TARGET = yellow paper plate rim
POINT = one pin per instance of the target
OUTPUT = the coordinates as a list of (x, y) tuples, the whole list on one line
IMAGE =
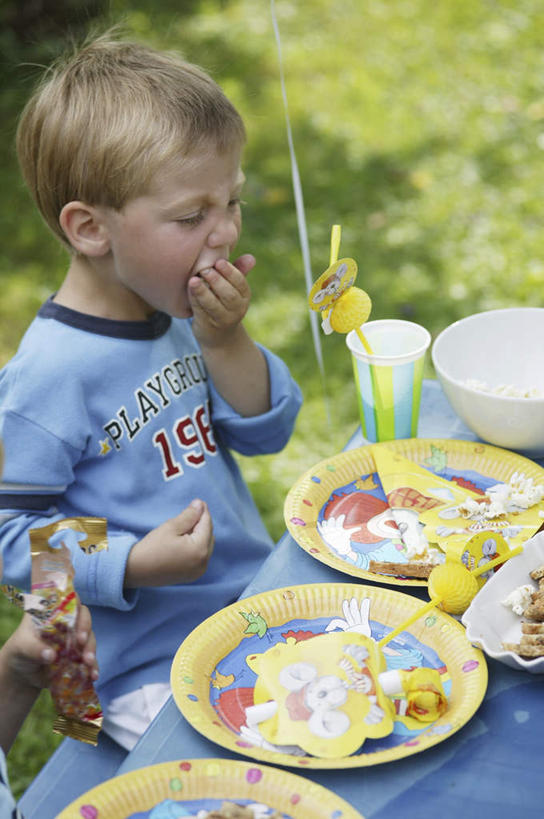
[(199, 654), (313, 489), (192, 779)]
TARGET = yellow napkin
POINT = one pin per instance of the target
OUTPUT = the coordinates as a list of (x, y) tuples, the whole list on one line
[(326, 691)]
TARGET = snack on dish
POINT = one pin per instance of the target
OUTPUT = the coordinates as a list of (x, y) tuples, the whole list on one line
[(509, 390), (526, 648), (491, 625), (538, 574), (532, 628), (229, 810), (519, 598), (410, 569), (368, 504), (531, 643), (410, 491), (509, 508)]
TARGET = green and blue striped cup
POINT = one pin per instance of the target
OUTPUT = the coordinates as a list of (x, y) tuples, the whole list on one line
[(389, 381)]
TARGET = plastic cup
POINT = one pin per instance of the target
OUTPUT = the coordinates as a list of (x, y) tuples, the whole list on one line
[(389, 381)]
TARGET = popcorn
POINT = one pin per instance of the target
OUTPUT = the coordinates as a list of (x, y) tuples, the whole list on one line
[(504, 498), (519, 598), (508, 390)]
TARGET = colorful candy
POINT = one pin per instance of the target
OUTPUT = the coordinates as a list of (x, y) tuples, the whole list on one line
[(53, 605)]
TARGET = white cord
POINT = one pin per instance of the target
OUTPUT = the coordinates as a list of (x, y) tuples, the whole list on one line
[(299, 205)]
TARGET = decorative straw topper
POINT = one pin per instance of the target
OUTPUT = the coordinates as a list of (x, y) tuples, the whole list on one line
[(344, 307)]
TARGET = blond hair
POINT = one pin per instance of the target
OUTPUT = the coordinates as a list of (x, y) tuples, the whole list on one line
[(103, 120)]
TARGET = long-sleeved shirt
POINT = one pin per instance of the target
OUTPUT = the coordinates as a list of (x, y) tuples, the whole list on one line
[(119, 420)]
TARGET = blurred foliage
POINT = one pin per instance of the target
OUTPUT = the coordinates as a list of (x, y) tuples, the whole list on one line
[(418, 126)]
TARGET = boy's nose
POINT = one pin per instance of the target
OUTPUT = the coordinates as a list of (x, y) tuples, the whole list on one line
[(224, 233)]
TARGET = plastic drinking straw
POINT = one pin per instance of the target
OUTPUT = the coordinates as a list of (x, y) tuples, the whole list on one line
[(336, 233)]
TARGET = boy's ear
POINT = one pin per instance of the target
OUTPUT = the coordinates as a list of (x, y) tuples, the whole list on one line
[(84, 228)]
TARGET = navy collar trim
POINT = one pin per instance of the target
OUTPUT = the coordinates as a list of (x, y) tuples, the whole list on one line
[(154, 327)]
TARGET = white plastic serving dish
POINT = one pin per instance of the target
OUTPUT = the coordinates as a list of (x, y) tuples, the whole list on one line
[(489, 623)]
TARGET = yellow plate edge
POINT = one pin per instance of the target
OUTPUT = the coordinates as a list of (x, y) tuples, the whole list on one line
[(187, 779)]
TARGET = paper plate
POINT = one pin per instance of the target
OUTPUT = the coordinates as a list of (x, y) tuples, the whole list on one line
[(353, 472), (163, 791), (212, 683)]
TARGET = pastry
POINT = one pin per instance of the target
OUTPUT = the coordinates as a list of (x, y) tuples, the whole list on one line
[(410, 569), (531, 643)]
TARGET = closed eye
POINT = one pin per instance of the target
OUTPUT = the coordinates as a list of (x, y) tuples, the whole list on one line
[(194, 219)]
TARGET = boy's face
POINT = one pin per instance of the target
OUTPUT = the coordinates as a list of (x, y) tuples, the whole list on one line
[(189, 218)]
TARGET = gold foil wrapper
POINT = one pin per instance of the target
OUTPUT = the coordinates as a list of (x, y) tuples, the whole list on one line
[(53, 604)]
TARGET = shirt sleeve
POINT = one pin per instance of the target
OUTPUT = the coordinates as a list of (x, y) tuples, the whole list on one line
[(266, 433), (36, 474)]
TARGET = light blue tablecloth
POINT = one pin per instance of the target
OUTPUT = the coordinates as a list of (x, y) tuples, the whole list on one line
[(491, 767)]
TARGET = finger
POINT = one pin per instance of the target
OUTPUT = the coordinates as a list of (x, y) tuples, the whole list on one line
[(346, 610), (89, 649), (186, 521), (89, 658), (215, 295), (83, 624), (30, 645), (204, 528), (245, 263), (205, 521), (227, 279), (232, 270)]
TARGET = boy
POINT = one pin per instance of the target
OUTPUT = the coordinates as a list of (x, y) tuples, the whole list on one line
[(138, 375)]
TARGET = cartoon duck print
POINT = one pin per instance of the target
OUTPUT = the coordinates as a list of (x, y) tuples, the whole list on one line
[(360, 527)]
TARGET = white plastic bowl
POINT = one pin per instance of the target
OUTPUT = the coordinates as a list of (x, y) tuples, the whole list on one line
[(497, 347)]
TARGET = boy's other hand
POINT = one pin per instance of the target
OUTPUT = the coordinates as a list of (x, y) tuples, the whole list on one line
[(27, 657), (177, 551), (220, 297)]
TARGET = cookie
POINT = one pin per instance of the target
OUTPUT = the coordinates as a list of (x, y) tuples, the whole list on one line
[(528, 651), (532, 628), (401, 569)]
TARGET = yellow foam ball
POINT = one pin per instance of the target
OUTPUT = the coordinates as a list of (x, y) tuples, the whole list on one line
[(454, 584), (351, 310)]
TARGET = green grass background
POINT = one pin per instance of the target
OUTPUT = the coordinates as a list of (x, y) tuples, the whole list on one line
[(418, 126)]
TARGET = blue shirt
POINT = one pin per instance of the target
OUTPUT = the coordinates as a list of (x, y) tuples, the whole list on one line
[(119, 420)]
